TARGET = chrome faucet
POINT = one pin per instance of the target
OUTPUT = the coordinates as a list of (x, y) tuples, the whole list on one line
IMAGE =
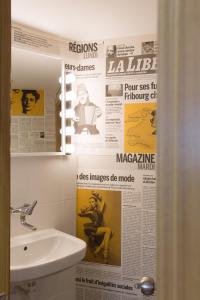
[(25, 210)]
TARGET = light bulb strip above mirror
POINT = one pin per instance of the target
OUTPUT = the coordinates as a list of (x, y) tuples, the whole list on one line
[(67, 113)]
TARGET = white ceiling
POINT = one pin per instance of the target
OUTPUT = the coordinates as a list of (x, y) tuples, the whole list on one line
[(88, 19)]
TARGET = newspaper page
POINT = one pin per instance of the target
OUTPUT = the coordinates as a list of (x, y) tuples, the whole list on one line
[(118, 82), (116, 216), (86, 60), (116, 206), (32, 121), (27, 38)]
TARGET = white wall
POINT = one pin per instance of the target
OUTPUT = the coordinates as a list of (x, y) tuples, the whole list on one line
[(52, 182), (60, 286), (88, 19)]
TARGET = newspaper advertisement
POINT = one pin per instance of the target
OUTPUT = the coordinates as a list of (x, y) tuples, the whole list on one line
[(118, 83), (116, 216)]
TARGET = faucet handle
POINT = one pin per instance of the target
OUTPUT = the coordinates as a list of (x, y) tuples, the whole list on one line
[(29, 208), (26, 209)]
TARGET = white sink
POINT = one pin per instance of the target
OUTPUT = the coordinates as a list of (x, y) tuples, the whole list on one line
[(44, 252)]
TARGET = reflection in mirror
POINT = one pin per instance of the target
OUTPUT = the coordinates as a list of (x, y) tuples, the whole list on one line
[(35, 104)]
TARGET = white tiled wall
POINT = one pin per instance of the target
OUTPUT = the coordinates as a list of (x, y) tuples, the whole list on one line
[(60, 286), (52, 182)]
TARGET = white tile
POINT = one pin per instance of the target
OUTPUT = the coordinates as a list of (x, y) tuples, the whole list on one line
[(45, 179), (57, 286), (60, 215)]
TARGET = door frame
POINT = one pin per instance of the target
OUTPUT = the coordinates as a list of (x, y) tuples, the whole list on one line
[(179, 150), (5, 62)]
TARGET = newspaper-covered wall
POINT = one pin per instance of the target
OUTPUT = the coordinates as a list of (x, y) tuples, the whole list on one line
[(116, 216), (115, 116), (118, 81), (31, 39)]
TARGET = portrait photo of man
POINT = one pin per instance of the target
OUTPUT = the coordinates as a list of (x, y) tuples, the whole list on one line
[(29, 100), (148, 47), (111, 51), (25, 102)]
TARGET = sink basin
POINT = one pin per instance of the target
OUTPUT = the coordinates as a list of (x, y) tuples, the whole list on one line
[(42, 253)]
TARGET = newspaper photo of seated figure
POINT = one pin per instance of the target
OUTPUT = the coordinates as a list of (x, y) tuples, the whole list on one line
[(96, 226), (86, 113)]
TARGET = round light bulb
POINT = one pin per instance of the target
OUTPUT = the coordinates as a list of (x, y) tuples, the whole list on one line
[(70, 78), (69, 148), (69, 95)]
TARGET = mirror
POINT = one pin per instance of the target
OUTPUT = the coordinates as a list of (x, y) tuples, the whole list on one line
[(35, 104)]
